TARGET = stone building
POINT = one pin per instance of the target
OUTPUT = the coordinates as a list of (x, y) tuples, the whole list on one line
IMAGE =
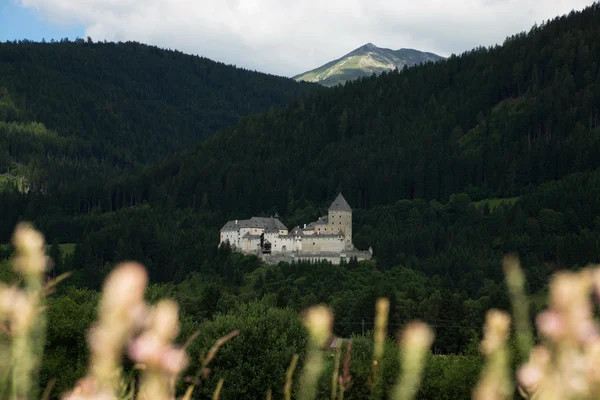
[(328, 238)]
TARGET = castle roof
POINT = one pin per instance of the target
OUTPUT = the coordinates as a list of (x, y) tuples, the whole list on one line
[(255, 222), (326, 235), (229, 226), (321, 221), (340, 204), (296, 232), (271, 229)]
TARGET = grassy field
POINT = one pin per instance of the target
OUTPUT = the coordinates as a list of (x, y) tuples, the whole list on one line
[(6, 272), (4, 249), (67, 248), (495, 202)]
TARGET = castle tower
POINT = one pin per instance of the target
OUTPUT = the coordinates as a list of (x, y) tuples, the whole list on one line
[(340, 218)]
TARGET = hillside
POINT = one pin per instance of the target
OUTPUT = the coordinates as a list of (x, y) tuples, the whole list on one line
[(448, 166), (365, 61), (74, 115), (490, 122), (133, 103)]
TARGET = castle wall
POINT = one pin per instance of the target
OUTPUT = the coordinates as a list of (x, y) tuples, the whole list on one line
[(341, 220), (243, 231), (284, 244), (334, 258), (231, 236), (316, 243), (235, 237), (272, 237), (250, 245), (320, 239), (321, 229)]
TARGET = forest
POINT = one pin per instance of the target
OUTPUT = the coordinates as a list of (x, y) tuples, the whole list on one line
[(132, 102), (74, 115), (448, 167)]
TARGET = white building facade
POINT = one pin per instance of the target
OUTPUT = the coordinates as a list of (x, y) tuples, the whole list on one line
[(329, 238)]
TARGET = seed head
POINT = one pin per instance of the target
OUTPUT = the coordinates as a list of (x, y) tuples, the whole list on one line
[(319, 322)]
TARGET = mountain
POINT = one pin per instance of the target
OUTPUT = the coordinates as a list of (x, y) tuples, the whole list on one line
[(364, 61), (492, 122), (133, 103), (74, 115), (448, 166), (489, 122)]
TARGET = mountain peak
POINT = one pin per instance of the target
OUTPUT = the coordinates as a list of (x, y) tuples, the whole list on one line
[(365, 61)]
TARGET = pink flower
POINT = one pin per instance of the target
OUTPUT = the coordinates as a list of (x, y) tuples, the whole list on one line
[(551, 325), (529, 376), (146, 349), (173, 360)]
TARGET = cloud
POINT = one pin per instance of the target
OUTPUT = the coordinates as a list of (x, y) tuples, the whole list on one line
[(286, 37)]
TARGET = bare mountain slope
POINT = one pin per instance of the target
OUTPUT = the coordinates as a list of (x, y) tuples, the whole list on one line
[(364, 61)]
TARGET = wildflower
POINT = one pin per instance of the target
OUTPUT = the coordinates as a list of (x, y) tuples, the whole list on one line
[(495, 382), (319, 321), (531, 374), (551, 325), (418, 336), (381, 317), (495, 331), (31, 259)]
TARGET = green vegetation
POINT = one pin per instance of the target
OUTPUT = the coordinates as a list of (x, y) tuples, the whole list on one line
[(490, 123), (68, 127), (248, 347), (130, 102), (492, 204), (438, 262), (67, 248), (448, 166)]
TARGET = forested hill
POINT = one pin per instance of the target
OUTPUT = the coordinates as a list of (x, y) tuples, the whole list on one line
[(130, 100), (491, 122), (419, 154)]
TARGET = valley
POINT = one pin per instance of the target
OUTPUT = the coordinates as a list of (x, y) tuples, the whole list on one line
[(123, 151)]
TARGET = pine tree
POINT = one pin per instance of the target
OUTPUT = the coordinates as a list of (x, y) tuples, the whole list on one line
[(56, 255)]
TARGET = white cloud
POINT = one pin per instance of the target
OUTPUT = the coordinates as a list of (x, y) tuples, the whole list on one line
[(287, 37)]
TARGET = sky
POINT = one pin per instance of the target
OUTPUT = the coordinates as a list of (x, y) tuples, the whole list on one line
[(283, 37), (18, 22)]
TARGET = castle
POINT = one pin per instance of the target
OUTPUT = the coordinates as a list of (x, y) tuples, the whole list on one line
[(329, 238)]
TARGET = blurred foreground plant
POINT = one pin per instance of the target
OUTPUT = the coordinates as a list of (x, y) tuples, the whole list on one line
[(22, 316), (126, 324), (564, 365)]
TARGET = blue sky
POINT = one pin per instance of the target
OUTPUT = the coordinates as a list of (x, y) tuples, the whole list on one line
[(18, 22)]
